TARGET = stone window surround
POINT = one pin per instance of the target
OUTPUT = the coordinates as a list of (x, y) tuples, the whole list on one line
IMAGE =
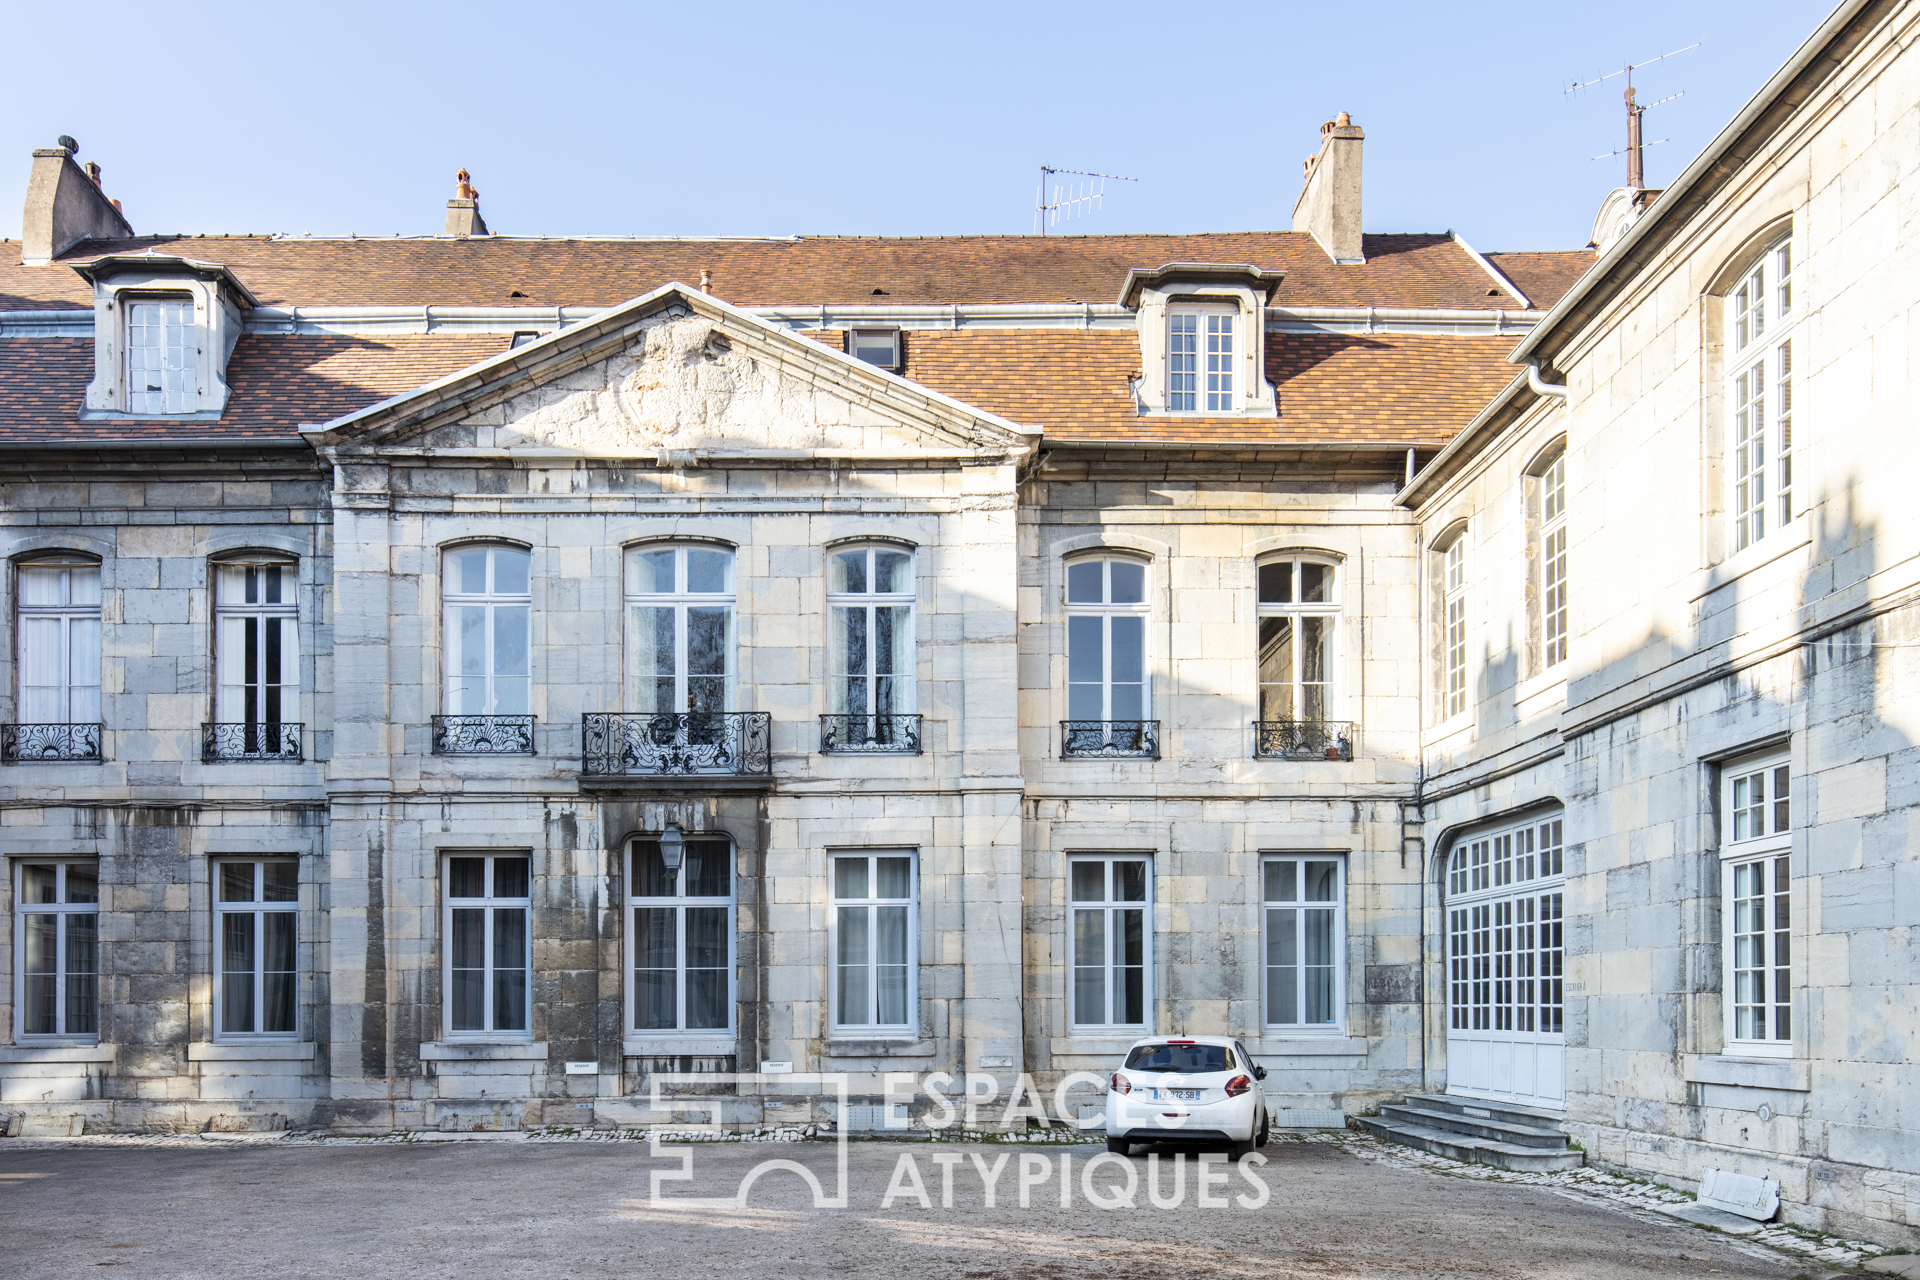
[(219, 301), (1760, 352), (260, 1045), (713, 1041), (488, 1039), (21, 909), (857, 1039), (1081, 1033), (1555, 450), (1454, 532), (1730, 854), (1335, 609), (1305, 1030)]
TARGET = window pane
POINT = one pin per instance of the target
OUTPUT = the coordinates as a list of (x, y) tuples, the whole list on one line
[(655, 959), (655, 940), (848, 572), (1316, 583), (1129, 582), (849, 877), (277, 965), (83, 670), (1276, 669), (466, 877), (852, 959), (43, 587), (510, 877), (42, 1014), (509, 972), (850, 654), (1084, 582), (706, 999), (709, 572), (1132, 978), (890, 935), (707, 937), (890, 990), (510, 641), (707, 643), (467, 572), (510, 570), (236, 882), (894, 877), (653, 1000), (466, 947), (1130, 881), (282, 882), (1283, 943), (467, 659), (1089, 967), (466, 958), (650, 667), (1129, 652), (1283, 881), (1276, 582), (1323, 881), (83, 1009), (1086, 657), (236, 971), (40, 884), (83, 882), (1089, 882), (892, 572), (651, 879), (853, 944), (708, 868)]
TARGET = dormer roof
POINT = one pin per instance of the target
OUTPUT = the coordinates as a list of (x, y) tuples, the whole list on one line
[(97, 270), (1238, 273)]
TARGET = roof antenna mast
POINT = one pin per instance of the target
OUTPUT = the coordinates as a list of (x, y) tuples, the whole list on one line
[(1071, 199), (1635, 150)]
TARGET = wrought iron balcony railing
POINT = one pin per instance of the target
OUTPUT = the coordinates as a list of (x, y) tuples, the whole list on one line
[(1303, 739), (50, 743), (483, 735), (1110, 739), (223, 743), (675, 744), (870, 735)]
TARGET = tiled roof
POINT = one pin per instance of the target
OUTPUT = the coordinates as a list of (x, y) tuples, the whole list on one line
[(1400, 271), (1544, 277), (1333, 388), (278, 383)]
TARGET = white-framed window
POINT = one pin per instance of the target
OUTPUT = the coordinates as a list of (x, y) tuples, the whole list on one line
[(1107, 640), (1553, 562), (57, 923), (870, 597), (679, 629), (1111, 900), (1299, 613), (59, 616), (1200, 359), (1453, 625), (489, 604), (489, 946), (257, 635), (875, 346), (1306, 913), (163, 356), (1506, 908), (1759, 371), (875, 943), (1756, 857), (681, 944), (256, 968)]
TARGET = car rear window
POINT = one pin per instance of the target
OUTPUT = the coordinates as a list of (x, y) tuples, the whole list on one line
[(1184, 1058)]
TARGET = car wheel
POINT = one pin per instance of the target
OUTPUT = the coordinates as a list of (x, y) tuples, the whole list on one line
[(1261, 1141), (1119, 1146), (1236, 1150)]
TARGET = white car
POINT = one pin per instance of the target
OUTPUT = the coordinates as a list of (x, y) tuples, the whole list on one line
[(1199, 1090)]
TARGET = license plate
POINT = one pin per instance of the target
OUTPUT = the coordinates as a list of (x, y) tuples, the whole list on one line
[(1176, 1095)]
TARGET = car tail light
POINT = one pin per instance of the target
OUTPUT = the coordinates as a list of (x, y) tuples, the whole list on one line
[(1121, 1084), (1239, 1085)]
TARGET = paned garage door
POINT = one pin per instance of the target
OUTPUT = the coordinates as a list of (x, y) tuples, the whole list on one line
[(1506, 1035)]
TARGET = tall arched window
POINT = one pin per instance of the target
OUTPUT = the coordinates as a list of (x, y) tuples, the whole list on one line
[(1453, 625), (1547, 512), (257, 642), (679, 629), (489, 614), (870, 597), (1108, 702), (59, 670), (1759, 371), (1299, 611)]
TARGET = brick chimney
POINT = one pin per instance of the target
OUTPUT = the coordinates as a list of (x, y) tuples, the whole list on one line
[(463, 211), (1329, 203), (65, 205)]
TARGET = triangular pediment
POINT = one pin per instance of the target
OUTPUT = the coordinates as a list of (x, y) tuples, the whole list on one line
[(675, 371)]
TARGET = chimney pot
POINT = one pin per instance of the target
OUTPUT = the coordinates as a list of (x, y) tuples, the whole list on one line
[(463, 211)]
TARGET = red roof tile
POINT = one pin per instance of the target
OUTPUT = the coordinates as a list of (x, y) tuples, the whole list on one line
[(1544, 277)]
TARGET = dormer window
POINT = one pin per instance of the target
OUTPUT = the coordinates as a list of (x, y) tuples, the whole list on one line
[(876, 346), (162, 355), (1200, 359), (1202, 338)]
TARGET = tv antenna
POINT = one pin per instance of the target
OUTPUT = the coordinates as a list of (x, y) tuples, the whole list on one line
[(1071, 199), (1635, 150)]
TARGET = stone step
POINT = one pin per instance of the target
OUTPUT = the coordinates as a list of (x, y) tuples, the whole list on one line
[(1445, 1142), (1479, 1109), (1519, 1135)]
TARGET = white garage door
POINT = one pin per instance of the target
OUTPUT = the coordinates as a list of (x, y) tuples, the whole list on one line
[(1506, 1035)]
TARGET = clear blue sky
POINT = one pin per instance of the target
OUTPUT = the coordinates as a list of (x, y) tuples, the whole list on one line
[(754, 118)]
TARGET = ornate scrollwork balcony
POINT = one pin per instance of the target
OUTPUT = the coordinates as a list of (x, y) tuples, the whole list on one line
[(870, 735), (50, 743), (225, 743), (677, 744), (1110, 739), (1303, 739), (483, 735)]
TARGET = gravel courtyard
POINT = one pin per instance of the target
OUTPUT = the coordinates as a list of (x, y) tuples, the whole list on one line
[(533, 1208)]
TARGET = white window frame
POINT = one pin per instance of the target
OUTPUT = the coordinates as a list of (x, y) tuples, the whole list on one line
[(490, 904), (1454, 691), (873, 1030), (1552, 482), (1758, 836), (678, 902), (890, 338), (680, 600), (1521, 868), (871, 601), (1109, 907), (258, 908), (1760, 356), (491, 600), (264, 577), (1300, 906), (68, 614), (63, 911), (178, 365), (1202, 354), (1107, 612), (1295, 609)]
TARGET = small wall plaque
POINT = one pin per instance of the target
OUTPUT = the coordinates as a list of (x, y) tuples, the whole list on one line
[(776, 1068), (583, 1068), (985, 1061)]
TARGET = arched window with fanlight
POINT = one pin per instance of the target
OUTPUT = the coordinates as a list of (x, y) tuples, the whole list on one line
[(57, 606), (256, 713), (1109, 702), (1759, 393), (1299, 619), (489, 603), (870, 600)]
